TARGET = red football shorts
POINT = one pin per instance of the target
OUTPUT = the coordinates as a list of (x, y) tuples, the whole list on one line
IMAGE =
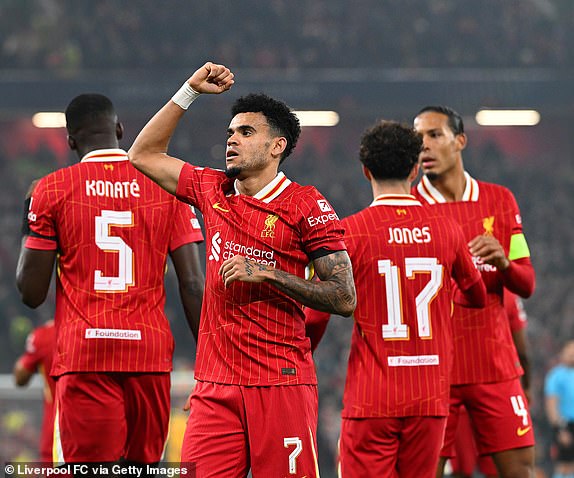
[(102, 417), (499, 414), (271, 430), (466, 459), (390, 447)]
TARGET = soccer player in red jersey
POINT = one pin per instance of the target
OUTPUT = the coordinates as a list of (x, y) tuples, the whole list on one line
[(486, 374), (405, 262), (467, 459), (255, 402), (40, 347), (109, 229)]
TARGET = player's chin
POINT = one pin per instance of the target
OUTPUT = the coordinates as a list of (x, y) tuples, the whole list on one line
[(233, 171)]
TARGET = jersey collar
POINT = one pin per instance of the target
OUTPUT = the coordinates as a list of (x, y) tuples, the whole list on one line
[(272, 190), (395, 200), (433, 196), (105, 155)]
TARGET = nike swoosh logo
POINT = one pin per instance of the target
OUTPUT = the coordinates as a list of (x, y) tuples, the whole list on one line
[(522, 431), (218, 207)]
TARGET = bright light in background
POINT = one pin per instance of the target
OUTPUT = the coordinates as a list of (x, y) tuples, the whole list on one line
[(317, 118), (507, 117), (49, 120)]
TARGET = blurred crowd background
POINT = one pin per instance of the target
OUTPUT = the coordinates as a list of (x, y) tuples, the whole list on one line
[(366, 59)]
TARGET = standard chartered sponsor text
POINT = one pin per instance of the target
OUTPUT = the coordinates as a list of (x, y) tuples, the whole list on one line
[(258, 255)]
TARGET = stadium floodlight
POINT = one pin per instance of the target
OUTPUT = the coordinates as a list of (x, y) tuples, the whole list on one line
[(317, 118), (49, 120), (507, 117)]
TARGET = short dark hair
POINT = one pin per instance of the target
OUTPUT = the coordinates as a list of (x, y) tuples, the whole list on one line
[(280, 118), (454, 119), (389, 150), (89, 108)]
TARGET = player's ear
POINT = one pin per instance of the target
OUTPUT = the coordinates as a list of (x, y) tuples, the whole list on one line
[(367, 173), (414, 173), (119, 130), (72, 143), (461, 141), (279, 145)]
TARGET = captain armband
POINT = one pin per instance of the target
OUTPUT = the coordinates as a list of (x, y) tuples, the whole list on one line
[(518, 247)]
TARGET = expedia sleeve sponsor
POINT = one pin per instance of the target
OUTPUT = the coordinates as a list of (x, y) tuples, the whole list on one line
[(322, 219)]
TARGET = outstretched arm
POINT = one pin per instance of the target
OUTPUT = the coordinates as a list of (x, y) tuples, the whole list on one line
[(149, 151), (334, 293)]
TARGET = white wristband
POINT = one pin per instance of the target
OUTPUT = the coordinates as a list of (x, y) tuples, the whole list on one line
[(185, 96)]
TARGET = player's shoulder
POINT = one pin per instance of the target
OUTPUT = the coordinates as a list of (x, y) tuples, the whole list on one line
[(305, 196), (58, 175), (494, 189)]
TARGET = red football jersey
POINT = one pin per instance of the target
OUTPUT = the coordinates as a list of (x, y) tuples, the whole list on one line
[(112, 228), (40, 348), (252, 333), (404, 260), (484, 350)]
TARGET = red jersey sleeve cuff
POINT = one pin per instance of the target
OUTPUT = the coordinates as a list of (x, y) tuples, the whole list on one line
[(187, 239), (41, 244)]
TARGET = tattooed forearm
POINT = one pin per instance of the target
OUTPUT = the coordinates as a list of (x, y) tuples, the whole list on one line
[(248, 267), (335, 293)]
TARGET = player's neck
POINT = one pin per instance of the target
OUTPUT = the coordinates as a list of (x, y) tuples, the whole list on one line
[(395, 188), (251, 185), (84, 149), (451, 185)]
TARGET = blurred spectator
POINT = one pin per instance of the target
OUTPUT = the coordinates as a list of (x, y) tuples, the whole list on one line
[(559, 392), (68, 36)]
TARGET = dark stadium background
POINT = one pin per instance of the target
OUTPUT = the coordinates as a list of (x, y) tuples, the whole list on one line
[(365, 59)]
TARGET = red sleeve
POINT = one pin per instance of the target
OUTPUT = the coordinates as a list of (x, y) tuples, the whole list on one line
[(185, 228), (32, 357), (474, 296), (42, 227), (519, 277), (315, 325), (320, 225)]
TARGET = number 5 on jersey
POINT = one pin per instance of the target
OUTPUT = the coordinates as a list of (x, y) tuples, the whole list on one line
[(114, 244)]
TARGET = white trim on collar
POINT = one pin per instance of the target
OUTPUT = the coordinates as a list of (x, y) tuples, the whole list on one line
[(105, 156), (395, 200), (433, 196), (271, 190)]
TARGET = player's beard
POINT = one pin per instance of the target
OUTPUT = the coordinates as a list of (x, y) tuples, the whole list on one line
[(431, 176), (233, 172)]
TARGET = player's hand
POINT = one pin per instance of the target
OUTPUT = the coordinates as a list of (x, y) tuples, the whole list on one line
[(211, 78), (243, 269), (187, 404), (490, 251)]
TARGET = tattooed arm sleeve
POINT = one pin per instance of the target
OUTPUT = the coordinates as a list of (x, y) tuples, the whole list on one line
[(334, 293)]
